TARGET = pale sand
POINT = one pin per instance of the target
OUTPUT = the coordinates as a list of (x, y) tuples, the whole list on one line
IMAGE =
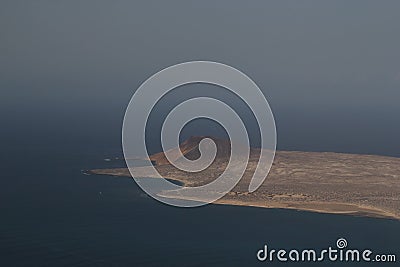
[(331, 208)]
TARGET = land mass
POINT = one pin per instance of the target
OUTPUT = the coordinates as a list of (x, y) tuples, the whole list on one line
[(327, 182)]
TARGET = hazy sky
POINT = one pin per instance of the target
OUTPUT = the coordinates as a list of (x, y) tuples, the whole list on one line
[(317, 57)]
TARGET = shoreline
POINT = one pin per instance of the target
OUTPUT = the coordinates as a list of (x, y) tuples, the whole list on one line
[(354, 210), (337, 208)]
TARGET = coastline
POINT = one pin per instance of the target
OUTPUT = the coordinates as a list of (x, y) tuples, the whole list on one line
[(326, 208), (325, 182), (338, 208)]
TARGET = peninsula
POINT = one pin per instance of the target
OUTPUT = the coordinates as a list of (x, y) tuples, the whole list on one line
[(327, 182)]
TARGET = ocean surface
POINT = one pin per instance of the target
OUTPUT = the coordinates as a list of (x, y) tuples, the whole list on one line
[(52, 214)]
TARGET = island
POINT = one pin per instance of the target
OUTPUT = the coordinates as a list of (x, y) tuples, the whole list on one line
[(326, 182)]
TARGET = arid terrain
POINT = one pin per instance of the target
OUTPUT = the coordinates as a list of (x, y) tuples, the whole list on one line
[(364, 185)]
